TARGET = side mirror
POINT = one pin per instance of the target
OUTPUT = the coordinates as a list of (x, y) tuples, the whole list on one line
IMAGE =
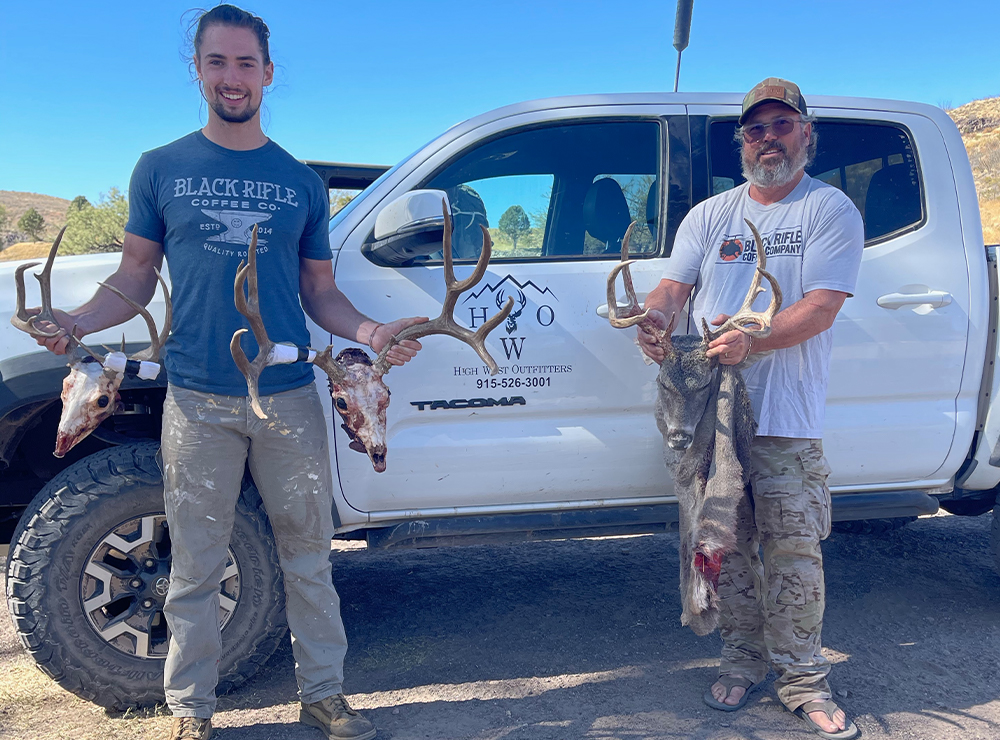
[(408, 228)]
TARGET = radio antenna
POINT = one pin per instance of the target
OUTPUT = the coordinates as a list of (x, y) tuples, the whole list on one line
[(682, 33)]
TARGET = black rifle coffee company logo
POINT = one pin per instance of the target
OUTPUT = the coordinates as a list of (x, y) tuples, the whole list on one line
[(782, 242), (731, 249), (532, 306)]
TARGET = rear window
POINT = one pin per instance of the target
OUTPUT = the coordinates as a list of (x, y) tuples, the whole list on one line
[(872, 162)]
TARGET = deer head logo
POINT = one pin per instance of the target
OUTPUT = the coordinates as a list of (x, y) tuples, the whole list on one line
[(521, 301)]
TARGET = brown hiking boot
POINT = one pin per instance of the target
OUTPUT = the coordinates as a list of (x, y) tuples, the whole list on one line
[(334, 716), (190, 728)]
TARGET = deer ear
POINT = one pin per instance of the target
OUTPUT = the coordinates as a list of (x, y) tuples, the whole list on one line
[(707, 335)]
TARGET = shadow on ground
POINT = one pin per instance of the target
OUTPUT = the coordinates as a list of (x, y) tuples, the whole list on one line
[(582, 639)]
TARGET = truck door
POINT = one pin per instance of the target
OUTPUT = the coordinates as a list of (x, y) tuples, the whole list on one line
[(569, 416), (895, 398)]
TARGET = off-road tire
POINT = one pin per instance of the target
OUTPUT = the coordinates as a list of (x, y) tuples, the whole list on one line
[(872, 526), (53, 541)]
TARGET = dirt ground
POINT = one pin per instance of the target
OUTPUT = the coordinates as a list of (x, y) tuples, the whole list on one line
[(581, 639)]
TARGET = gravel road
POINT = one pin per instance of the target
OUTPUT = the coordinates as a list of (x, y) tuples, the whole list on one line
[(581, 639)]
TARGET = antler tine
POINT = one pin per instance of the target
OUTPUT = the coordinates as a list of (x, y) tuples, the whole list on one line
[(746, 316), (21, 319), (633, 313), (151, 353), (250, 308), (445, 323)]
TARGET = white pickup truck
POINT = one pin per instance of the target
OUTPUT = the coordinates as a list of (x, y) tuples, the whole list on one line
[(562, 441)]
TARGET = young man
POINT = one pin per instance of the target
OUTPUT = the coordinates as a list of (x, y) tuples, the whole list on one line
[(196, 201), (772, 610)]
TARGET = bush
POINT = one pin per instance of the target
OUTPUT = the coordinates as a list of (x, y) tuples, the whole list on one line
[(96, 228)]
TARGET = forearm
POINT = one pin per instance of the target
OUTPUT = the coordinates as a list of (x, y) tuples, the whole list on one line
[(668, 297), (804, 319), (332, 311)]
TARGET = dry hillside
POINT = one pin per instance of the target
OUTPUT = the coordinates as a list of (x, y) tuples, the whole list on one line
[(979, 122), (53, 210)]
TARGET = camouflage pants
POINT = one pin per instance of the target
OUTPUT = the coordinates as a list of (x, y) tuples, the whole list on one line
[(772, 608)]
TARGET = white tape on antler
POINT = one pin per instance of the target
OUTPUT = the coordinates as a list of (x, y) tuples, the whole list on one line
[(115, 361), (119, 363), (284, 354)]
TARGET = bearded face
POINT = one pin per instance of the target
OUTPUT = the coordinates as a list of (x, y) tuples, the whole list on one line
[(775, 161)]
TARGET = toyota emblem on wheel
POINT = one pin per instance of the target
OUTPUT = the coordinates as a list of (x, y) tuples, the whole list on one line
[(161, 586)]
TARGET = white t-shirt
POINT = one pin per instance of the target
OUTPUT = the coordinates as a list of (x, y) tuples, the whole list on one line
[(814, 238)]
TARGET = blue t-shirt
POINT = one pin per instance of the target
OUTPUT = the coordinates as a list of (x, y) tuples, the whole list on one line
[(201, 201)]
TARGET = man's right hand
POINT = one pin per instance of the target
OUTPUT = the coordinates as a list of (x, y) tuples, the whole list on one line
[(648, 340), (59, 344)]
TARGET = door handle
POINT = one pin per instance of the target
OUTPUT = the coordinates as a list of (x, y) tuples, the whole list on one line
[(602, 310), (932, 298)]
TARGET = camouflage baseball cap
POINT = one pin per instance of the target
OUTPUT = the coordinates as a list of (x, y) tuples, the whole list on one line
[(774, 89)]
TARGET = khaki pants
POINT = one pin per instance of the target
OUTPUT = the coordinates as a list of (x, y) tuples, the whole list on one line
[(772, 608), (206, 441)]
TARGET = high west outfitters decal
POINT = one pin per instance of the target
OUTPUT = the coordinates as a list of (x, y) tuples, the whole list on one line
[(779, 243), (532, 308)]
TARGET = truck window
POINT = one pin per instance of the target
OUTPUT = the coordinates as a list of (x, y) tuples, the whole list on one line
[(556, 192), (872, 162)]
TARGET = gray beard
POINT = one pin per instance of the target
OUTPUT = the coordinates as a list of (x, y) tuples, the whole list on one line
[(783, 173)]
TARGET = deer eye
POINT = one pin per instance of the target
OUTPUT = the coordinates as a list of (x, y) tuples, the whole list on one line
[(102, 401), (342, 404)]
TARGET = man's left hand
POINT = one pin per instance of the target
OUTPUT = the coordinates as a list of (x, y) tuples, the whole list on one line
[(732, 347), (406, 350)]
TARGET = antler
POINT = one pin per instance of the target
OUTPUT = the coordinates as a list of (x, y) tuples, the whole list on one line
[(445, 323), (25, 322), (21, 319), (746, 317), (632, 314), (269, 353), (152, 352)]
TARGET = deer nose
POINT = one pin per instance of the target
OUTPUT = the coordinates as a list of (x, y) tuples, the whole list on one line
[(679, 440)]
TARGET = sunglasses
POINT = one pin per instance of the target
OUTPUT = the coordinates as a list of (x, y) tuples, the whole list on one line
[(757, 131)]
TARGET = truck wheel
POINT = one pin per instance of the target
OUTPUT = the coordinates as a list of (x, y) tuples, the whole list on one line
[(87, 577), (872, 526)]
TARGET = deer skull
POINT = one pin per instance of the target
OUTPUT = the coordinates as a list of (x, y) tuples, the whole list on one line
[(356, 385), (90, 391)]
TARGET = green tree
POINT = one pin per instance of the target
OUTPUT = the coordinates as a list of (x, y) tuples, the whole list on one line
[(79, 203), (3, 218), (339, 199), (514, 223), (31, 223), (97, 228)]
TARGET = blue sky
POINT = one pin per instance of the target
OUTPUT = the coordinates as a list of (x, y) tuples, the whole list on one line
[(87, 87)]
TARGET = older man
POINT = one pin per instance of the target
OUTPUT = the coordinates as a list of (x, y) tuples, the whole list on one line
[(772, 608)]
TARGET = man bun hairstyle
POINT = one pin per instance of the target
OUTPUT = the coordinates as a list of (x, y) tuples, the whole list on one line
[(230, 15)]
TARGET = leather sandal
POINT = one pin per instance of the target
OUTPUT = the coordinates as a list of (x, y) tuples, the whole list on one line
[(827, 707), (730, 682)]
